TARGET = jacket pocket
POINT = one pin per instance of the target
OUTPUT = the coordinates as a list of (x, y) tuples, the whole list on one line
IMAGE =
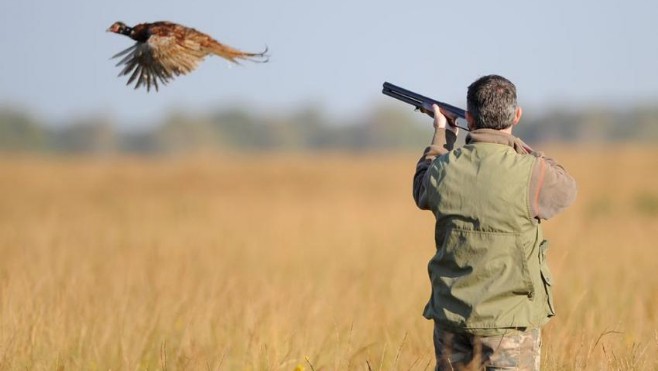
[(546, 276), (486, 270)]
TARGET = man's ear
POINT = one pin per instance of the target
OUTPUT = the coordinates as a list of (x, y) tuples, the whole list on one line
[(517, 115), (470, 120)]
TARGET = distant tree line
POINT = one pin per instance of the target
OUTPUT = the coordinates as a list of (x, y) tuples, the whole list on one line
[(385, 128)]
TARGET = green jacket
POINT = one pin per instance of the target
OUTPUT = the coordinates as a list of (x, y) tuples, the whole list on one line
[(489, 273)]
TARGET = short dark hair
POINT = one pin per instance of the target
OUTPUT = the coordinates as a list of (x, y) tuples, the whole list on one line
[(491, 100)]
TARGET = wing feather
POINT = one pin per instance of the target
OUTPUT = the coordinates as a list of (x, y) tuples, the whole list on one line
[(125, 51), (134, 75), (142, 66), (176, 55)]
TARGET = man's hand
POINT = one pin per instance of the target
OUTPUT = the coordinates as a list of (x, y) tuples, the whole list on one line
[(441, 121)]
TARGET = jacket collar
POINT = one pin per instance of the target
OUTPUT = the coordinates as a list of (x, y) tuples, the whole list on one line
[(497, 137)]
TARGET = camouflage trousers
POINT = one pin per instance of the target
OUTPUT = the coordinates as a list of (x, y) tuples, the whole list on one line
[(517, 350)]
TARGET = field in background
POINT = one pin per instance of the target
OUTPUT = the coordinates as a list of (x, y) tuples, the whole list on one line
[(260, 261)]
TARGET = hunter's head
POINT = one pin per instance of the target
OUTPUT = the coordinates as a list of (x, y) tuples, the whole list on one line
[(491, 103)]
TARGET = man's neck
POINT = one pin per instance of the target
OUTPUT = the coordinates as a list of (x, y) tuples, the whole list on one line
[(507, 130)]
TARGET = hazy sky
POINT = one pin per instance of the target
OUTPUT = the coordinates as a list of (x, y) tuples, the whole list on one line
[(55, 54)]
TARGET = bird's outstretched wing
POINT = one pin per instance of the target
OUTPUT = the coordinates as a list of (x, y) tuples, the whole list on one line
[(159, 60)]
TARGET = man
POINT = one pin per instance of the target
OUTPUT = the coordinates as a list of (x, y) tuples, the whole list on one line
[(491, 287)]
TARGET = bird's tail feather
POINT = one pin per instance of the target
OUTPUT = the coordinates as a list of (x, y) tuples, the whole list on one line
[(235, 55)]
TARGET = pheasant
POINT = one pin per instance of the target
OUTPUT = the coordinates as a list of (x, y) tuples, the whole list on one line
[(164, 50)]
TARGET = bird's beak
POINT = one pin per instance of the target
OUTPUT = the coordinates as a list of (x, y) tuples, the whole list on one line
[(109, 30)]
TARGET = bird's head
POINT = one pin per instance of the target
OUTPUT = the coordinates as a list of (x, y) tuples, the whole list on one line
[(120, 28)]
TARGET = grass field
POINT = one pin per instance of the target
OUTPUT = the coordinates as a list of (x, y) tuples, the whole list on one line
[(277, 262)]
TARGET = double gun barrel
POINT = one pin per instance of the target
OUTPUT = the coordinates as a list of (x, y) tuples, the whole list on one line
[(421, 102)]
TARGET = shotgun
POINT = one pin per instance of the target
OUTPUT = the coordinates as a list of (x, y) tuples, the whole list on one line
[(424, 103)]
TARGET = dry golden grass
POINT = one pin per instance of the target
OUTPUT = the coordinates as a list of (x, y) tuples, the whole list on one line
[(275, 262)]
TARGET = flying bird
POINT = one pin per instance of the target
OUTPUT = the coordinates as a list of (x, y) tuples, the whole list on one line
[(164, 50)]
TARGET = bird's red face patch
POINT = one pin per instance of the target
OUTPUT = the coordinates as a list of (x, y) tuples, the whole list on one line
[(116, 27)]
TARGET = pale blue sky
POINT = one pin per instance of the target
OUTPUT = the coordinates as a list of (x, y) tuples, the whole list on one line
[(55, 54)]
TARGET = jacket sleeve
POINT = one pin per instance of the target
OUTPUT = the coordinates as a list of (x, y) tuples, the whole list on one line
[(442, 142), (552, 189)]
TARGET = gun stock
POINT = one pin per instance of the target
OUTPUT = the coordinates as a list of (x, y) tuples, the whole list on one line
[(421, 102)]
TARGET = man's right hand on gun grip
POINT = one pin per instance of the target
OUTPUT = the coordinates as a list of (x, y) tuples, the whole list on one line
[(443, 122)]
